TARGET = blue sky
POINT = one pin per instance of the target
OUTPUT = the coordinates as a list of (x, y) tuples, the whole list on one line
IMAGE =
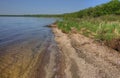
[(45, 6)]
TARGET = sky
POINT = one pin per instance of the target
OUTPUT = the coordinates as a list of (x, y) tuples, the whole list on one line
[(46, 6)]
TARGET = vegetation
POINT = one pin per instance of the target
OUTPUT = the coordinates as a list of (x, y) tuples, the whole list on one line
[(101, 23), (99, 28), (112, 7)]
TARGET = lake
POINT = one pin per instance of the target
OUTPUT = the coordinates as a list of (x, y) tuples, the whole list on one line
[(26, 47), (16, 29)]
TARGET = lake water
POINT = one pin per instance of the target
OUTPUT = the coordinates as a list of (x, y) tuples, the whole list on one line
[(16, 29), (26, 47)]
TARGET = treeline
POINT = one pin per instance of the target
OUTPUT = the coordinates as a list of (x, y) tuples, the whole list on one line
[(112, 7), (33, 15), (43, 15)]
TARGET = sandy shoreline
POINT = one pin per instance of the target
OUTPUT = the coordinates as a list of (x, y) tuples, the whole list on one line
[(85, 58)]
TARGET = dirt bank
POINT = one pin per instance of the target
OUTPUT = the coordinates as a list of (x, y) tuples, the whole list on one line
[(85, 58)]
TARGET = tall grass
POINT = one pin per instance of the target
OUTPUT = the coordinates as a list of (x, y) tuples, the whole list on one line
[(104, 28)]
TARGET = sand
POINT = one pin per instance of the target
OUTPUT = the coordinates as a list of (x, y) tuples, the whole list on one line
[(86, 58)]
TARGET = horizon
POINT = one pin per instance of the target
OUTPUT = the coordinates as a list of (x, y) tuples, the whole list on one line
[(15, 7)]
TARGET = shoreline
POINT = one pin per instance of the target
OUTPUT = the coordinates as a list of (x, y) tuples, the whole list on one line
[(83, 53)]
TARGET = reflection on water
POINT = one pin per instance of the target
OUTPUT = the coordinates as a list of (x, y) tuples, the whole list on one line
[(14, 29)]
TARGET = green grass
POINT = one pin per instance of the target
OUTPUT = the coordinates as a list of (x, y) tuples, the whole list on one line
[(103, 28)]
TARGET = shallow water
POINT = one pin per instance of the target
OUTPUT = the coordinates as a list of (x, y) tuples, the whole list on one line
[(26, 45)]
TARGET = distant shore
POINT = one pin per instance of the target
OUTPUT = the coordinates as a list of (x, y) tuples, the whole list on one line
[(34, 15)]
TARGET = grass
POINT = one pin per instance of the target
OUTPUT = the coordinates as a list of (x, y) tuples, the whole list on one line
[(104, 28)]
